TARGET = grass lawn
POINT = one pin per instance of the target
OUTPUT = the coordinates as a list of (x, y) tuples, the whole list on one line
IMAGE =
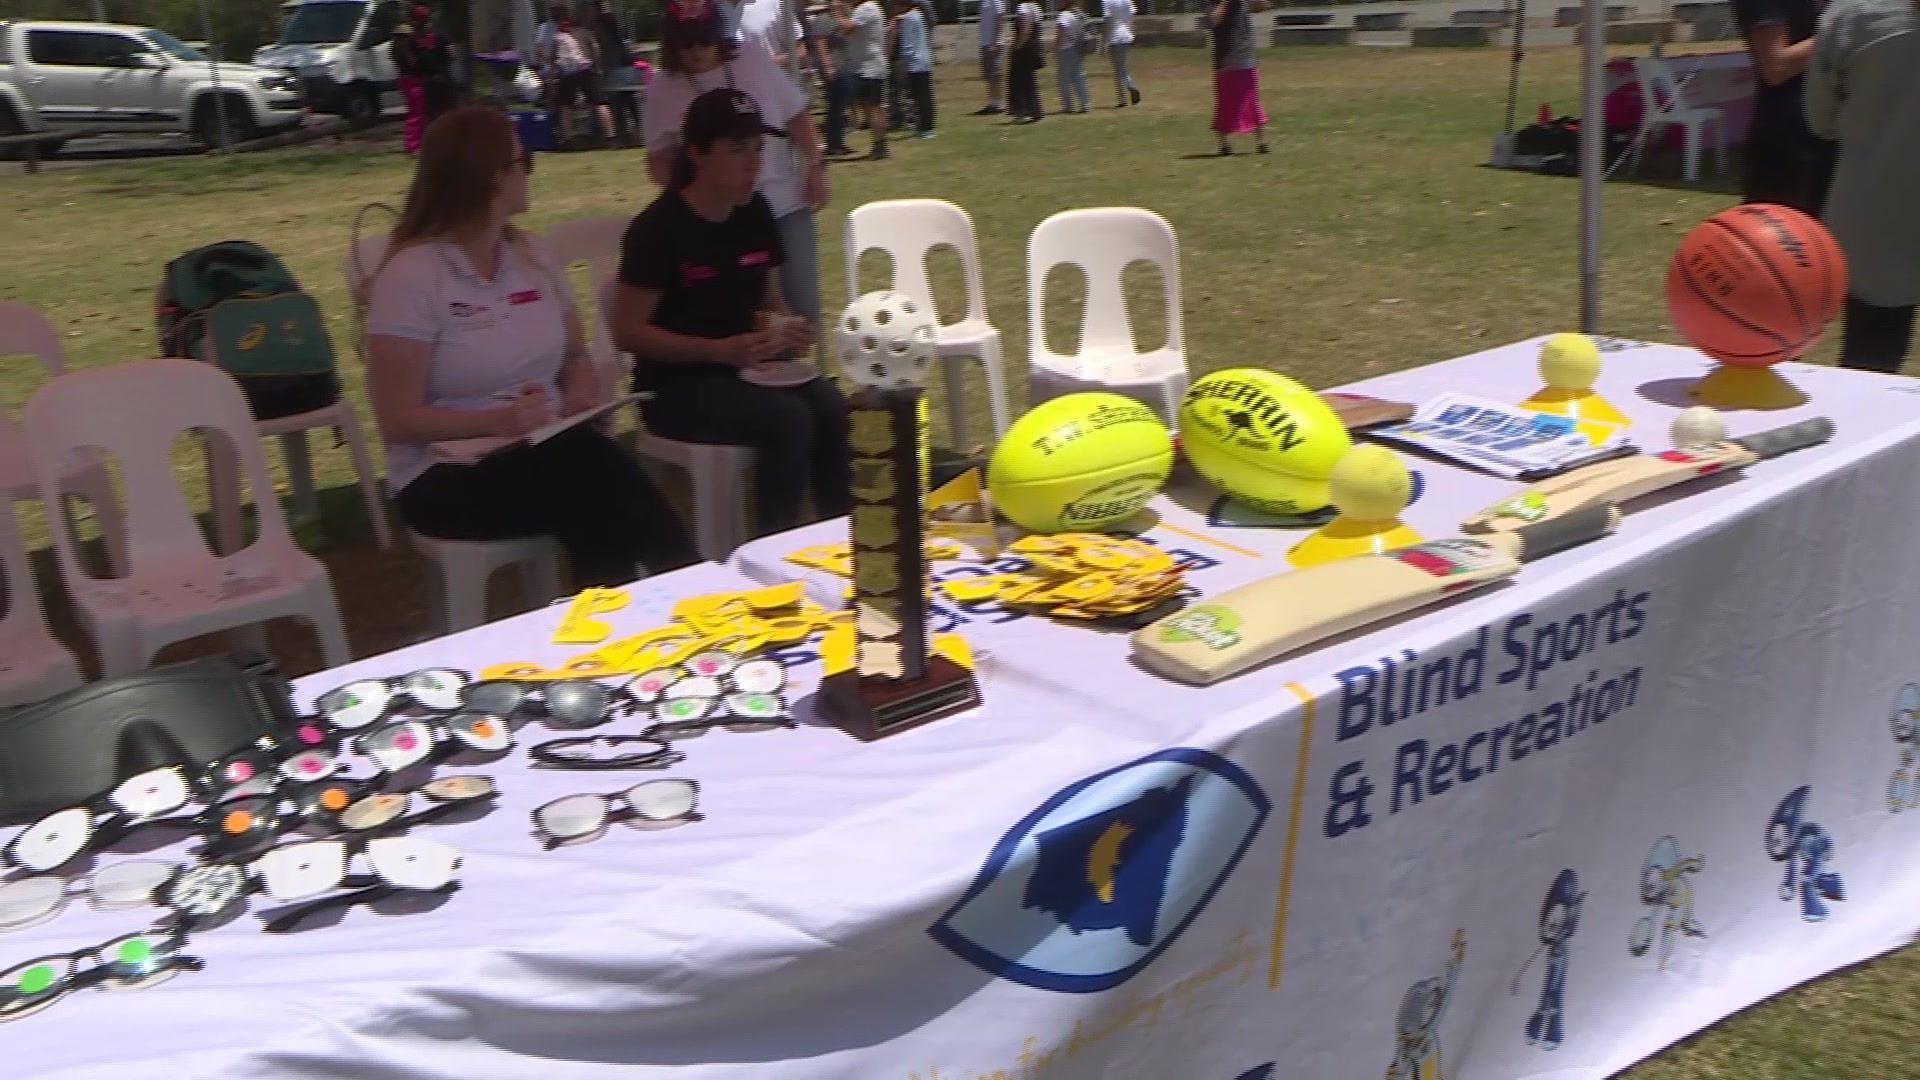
[(1371, 239)]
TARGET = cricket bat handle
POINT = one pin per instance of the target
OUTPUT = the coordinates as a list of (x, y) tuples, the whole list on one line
[(1557, 534), (1781, 440)]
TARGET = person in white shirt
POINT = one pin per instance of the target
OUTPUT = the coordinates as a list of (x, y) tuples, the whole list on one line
[(695, 57), (1119, 25), (1069, 50), (472, 332), (866, 30), (993, 16)]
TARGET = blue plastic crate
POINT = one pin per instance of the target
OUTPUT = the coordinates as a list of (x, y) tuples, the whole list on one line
[(535, 127)]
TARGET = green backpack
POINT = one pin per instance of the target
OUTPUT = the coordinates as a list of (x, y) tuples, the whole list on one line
[(234, 305)]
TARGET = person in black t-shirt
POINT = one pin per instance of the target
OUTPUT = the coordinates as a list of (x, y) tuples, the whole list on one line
[(1785, 162), (699, 306)]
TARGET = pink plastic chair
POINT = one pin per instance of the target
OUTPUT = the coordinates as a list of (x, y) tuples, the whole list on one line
[(176, 587), (33, 665)]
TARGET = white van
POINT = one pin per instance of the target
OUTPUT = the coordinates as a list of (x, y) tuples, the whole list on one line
[(342, 53)]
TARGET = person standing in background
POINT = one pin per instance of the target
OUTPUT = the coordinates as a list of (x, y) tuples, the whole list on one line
[(866, 31), (992, 15), (1069, 50), (619, 79), (1024, 61), (1236, 79), (916, 62), (1119, 19), (838, 78), (1863, 90), (1786, 162), (424, 59)]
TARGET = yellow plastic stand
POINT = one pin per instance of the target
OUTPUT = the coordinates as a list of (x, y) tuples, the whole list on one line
[(1569, 364), (1728, 387), (1370, 487)]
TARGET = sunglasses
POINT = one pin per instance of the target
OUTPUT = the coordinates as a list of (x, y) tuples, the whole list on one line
[(398, 863), (251, 824), (367, 701), (567, 702), (407, 743), (129, 962), (593, 753), (33, 900), (654, 804)]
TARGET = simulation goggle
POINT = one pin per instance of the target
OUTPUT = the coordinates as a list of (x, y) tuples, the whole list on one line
[(652, 804), (128, 962)]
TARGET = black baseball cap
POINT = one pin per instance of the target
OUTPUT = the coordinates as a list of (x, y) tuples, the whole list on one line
[(725, 113)]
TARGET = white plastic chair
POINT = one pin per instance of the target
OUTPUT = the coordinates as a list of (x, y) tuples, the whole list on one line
[(461, 568), (907, 229), (1103, 242), (24, 331), (719, 472), (33, 665), (596, 242), (175, 588), (1657, 85)]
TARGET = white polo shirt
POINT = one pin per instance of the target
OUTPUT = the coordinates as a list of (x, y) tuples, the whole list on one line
[(488, 337), (753, 71), (1119, 20)]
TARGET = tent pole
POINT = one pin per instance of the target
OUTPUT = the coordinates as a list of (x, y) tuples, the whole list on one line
[(1593, 123), (1517, 21)]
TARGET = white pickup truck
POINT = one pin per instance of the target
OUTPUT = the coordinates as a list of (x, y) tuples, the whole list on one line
[(56, 75)]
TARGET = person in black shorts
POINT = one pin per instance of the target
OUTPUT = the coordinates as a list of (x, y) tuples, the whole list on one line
[(699, 306), (1785, 162)]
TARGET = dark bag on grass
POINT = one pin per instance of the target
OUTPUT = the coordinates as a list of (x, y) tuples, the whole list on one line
[(1555, 143), (234, 305)]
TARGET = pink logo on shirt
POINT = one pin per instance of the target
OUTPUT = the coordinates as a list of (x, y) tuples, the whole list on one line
[(755, 258), (692, 272), (526, 296)]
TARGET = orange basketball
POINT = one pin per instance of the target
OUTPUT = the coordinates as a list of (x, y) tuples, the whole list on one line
[(1756, 284)]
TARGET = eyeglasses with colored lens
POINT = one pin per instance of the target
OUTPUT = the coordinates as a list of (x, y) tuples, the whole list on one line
[(251, 824), (129, 962), (398, 864), (653, 804), (607, 752), (407, 743), (368, 701), (714, 689), (31, 901), (566, 702), (390, 809)]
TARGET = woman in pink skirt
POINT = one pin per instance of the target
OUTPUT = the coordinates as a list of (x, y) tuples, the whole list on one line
[(1236, 81)]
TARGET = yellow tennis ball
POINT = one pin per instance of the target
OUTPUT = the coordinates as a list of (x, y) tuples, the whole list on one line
[(1370, 483), (1079, 463), (1569, 362), (1262, 438)]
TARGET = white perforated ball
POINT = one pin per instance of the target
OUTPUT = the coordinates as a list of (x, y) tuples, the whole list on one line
[(1700, 425), (886, 341)]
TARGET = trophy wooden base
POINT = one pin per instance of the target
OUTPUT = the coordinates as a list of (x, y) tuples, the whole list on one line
[(873, 709)]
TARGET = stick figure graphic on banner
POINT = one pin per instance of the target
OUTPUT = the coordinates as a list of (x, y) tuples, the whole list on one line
[(1559, 921), (1664, 887), (1416, 1027), (1903, 793), (1804, 846)]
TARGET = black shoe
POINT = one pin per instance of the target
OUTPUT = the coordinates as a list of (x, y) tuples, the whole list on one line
[(879, 154), (1263, 149), (1225, 150), (1134, 93), (988, 111), (839, 151)]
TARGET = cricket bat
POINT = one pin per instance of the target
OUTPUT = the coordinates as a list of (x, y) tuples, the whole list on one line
[(1360, 412), (1227, 634), (1622, 480)]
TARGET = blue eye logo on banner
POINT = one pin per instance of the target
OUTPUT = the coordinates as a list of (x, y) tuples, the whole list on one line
[(1559, 921), (1903, 792), (1089, 888), (1665, 887), (1804, 846)]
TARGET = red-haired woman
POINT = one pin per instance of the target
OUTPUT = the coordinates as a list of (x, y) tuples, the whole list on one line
[(471, 331)]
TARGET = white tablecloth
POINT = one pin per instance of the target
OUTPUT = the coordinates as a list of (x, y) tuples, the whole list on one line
[(1102, 874)]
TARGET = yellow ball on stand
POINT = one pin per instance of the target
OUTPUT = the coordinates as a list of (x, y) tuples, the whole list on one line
[(1569, 365), (1370, 487)]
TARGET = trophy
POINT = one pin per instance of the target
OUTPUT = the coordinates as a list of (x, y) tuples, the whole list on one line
[(886, 343)]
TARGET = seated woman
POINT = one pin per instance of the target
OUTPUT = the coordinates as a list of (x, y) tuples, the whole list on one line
[(472, 332), (699, 306)]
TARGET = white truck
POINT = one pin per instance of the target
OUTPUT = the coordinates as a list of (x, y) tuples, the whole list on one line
[(341, 51), (104, 77)]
